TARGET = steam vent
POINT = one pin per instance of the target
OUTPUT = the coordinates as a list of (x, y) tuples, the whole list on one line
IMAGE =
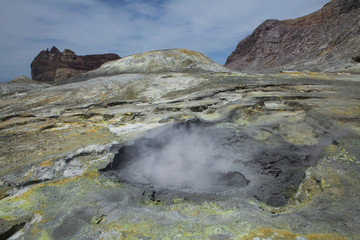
[(171, 145)]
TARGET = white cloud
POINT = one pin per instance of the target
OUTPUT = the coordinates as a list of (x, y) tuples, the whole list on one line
[(213, 27)]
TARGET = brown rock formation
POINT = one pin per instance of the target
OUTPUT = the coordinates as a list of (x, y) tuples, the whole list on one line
[(53, 65), (325, 39)]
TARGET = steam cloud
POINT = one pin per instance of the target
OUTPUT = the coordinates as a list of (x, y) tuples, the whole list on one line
[(186, 159)]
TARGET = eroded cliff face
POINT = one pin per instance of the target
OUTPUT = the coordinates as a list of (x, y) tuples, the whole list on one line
[(324, 40), (53, 65)]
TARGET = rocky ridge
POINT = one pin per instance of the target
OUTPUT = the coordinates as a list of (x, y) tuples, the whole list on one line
[(53, 65), (283, 148), (153, 62), (326, 40)]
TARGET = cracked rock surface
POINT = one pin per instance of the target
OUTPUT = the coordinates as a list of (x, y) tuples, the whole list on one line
[(207, 154)]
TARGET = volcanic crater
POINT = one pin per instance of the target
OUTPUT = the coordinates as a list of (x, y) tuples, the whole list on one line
[(195, 157)]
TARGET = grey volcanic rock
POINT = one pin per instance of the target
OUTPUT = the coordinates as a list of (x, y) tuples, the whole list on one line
[(323, 40), (50, 66), (19, 85)]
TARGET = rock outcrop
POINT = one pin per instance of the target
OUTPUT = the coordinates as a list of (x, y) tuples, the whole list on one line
[(53, 65), (326, 39)]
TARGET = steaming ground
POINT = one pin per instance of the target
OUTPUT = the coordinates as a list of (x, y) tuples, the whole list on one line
[(194, 158), (187, 161), (181, 157)]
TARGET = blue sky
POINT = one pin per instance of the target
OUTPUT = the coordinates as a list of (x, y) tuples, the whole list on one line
[(213, 27)]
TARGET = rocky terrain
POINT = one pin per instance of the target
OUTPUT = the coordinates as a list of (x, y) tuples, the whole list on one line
[(170, 145), (20, 84), (326, 40), (161, 61), (53, 65)]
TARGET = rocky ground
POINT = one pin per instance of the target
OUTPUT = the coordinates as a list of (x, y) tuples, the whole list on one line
[(191, 150)]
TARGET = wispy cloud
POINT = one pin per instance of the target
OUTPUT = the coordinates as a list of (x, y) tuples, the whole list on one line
[(125, 27)]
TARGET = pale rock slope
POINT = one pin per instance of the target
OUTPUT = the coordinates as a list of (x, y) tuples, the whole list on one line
[(161, 61)]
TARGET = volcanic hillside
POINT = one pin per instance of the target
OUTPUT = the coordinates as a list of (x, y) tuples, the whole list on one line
[(327, 39)]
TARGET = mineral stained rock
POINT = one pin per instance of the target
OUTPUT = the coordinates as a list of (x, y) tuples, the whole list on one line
[(170, 145), (323, 40), (53, 65), (161, 61)]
